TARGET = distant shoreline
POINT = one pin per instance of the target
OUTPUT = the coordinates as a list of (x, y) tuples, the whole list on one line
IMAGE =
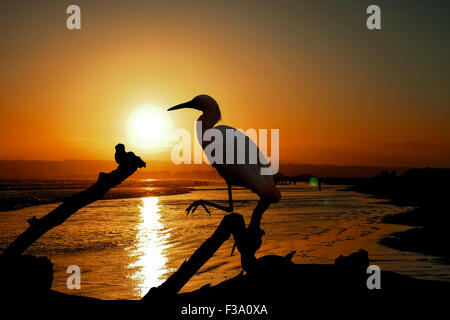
[(21, 203), (19, 194), (88, 169)]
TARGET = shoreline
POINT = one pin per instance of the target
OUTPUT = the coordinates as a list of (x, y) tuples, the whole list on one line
[(428, 219), (422, 238)]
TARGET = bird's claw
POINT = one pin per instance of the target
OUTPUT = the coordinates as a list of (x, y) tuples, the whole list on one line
[(194, 205)]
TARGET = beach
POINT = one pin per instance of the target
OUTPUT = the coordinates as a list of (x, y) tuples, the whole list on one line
[(126, 244)]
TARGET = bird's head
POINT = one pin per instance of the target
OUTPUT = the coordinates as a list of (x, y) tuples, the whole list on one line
[(120, 147), (203, 103)]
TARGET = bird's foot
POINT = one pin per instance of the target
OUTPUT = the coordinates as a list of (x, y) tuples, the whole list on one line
[(194, 205)]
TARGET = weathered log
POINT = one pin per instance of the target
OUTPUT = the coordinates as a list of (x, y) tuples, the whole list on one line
[(38, 227), (231, 224)]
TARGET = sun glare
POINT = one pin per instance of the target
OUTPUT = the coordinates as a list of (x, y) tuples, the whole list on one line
[(151, 246), (148, 127)]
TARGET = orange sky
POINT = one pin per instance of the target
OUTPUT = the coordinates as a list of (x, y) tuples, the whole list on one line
[(339, 93)]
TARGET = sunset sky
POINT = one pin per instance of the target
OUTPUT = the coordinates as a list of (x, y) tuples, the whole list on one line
[(338, 92)]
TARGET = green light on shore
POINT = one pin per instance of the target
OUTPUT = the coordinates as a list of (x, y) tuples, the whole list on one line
[(313, 182)]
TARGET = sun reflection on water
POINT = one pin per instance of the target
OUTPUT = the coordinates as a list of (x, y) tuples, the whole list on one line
[(151, 244)]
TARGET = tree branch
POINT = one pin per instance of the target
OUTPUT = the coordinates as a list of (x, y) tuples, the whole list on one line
[(128, 164), (231, 224)]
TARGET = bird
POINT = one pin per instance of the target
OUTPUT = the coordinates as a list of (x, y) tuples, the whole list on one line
[(245, 174), (127, 159)]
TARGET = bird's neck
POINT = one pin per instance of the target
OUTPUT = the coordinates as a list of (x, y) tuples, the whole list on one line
[(209, 118), (206, 121)]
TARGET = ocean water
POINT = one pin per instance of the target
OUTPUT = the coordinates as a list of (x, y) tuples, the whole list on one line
[(139, 235)]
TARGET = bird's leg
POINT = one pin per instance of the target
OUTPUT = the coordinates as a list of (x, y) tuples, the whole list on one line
[(194, 205)]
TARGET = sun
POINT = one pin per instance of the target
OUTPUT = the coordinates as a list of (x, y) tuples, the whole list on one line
[(148, 127)]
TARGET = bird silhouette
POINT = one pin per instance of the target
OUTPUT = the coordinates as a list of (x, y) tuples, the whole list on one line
[(129, 159), (247, 174)]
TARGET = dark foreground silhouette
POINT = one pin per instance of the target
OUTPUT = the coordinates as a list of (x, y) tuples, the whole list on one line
[(284, 288)]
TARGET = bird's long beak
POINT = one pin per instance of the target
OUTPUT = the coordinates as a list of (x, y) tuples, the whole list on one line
[(188, 104)]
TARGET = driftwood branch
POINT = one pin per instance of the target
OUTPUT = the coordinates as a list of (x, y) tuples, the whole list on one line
[(128, 164), (231, 224)]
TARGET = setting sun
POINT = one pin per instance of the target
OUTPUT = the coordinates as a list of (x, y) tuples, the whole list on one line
[(148, 127)]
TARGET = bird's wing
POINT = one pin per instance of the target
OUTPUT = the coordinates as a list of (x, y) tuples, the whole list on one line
[(241, 146), (246, 174)]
